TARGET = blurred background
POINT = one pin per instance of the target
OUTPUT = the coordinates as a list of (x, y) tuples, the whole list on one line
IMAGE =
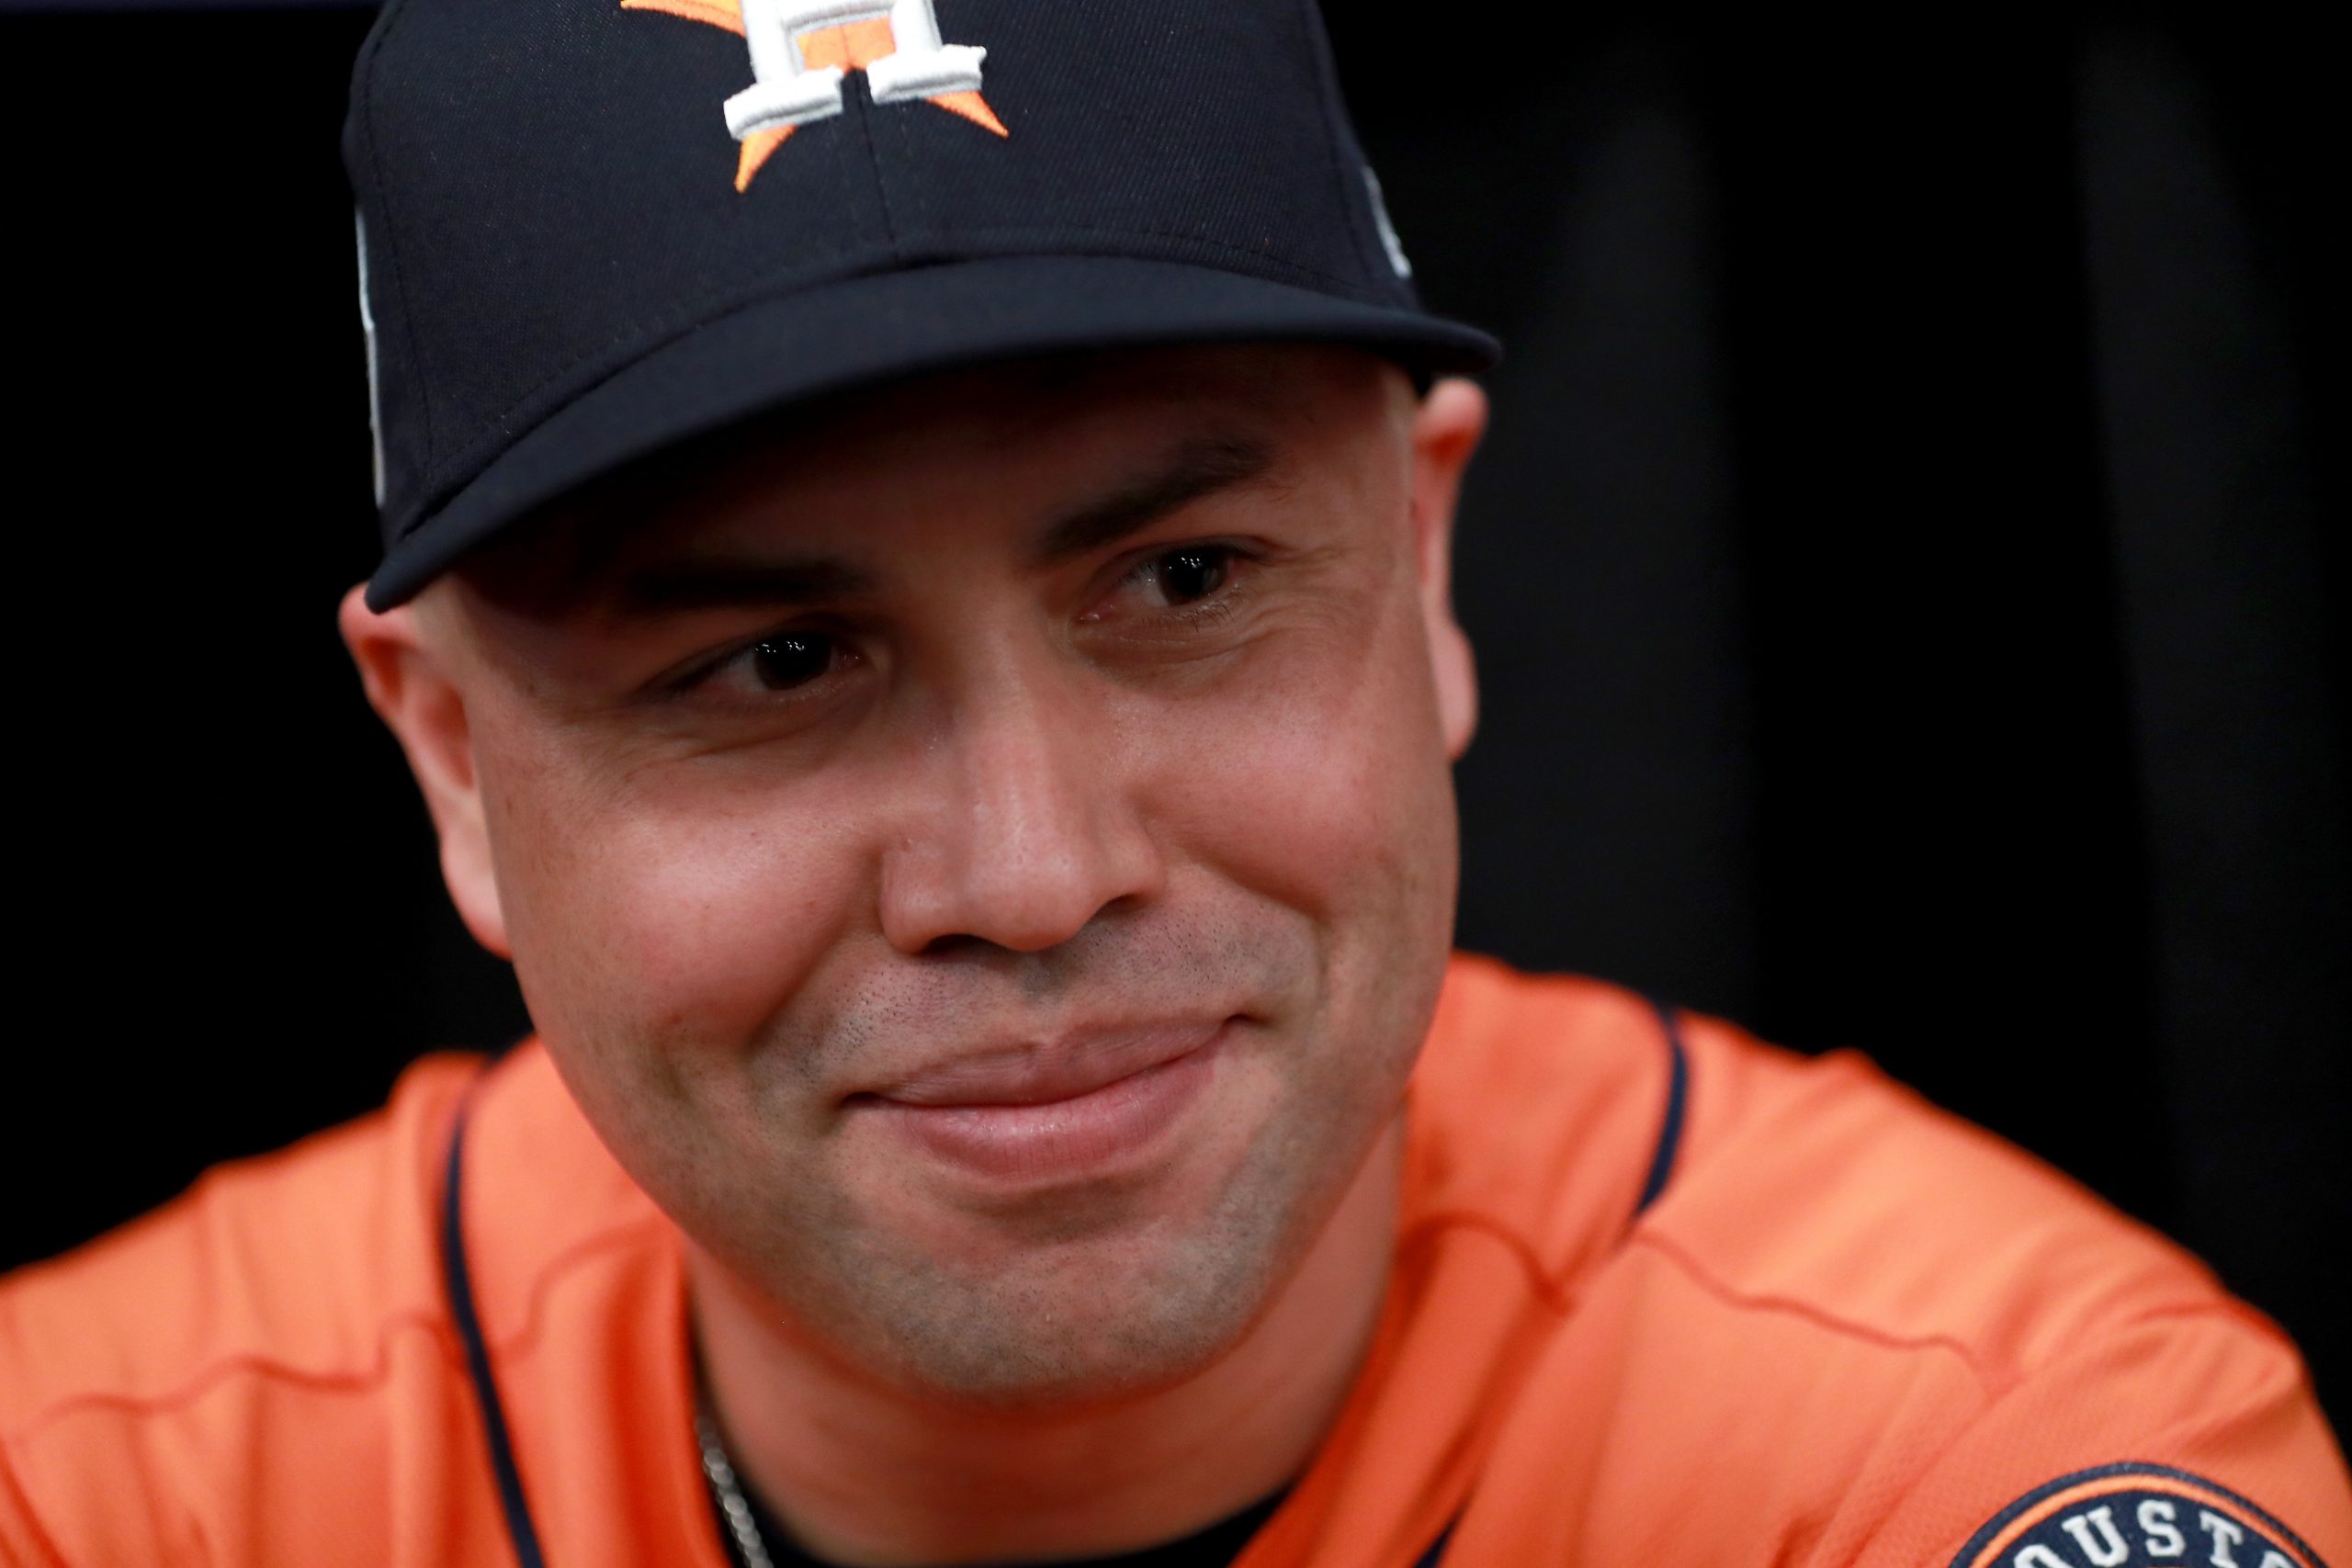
[(1907, 574)]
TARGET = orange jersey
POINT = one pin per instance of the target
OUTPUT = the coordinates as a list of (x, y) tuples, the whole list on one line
[(1663, 1294)]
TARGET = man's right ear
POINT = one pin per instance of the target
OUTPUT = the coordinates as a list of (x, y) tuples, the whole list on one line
[(412, 686)]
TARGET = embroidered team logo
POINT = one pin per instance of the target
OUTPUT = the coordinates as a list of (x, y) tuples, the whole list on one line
[(2134, 1516), (802, 50)]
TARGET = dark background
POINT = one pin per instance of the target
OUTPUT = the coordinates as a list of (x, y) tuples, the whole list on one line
[(1907, 571)]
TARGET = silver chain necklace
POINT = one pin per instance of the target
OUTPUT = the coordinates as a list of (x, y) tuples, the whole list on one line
[(731, 1501)]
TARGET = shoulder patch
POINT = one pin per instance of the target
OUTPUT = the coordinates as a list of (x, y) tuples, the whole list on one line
[(2134, 1516)]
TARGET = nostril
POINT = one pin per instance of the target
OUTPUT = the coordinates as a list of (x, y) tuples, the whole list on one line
[(950, 945)]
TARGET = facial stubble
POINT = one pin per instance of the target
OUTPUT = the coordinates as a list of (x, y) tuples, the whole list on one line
[(1091, 1299)]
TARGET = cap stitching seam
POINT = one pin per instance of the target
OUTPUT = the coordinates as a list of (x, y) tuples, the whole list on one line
[(1374, 258), (865, 115), (904, 149), (392, 24), (754, 291)]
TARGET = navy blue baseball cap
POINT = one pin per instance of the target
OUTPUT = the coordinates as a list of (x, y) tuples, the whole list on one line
[(590, 229)]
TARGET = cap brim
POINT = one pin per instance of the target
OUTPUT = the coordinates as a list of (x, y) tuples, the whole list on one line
[(867, 330)]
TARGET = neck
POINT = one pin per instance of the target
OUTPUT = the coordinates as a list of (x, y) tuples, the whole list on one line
[(870, 1476)]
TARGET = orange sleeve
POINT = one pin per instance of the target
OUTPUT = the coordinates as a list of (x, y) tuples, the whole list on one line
[(22, 1544), (2181, 1437)]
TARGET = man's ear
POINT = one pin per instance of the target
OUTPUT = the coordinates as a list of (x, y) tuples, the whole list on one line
[(1446, 431), (406, 668)]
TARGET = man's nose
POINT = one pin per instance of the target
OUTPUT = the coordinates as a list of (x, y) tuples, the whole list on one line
[(1022, 826)]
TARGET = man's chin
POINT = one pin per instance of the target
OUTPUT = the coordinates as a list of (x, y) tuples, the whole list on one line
[(1070, 1293), (1089, 1333), (1092, 1294)]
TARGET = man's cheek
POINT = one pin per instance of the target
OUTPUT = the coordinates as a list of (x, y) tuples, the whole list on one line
[(679, 935), (1307, 788)]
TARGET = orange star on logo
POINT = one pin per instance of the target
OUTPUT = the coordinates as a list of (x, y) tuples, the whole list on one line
[(840, 47)]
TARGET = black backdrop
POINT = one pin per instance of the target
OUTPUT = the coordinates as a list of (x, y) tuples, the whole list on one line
[(1906, 572)]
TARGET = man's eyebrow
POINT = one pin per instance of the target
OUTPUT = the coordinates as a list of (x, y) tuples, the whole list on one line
[(712, 584), (1199, 468)]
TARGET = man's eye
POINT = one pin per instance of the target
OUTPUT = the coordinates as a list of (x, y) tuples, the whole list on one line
[(1191, 574), (791, 659)]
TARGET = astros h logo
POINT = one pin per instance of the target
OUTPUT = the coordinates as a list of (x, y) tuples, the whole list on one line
[(802, 50)]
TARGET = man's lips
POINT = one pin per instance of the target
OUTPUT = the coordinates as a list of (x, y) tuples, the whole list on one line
[(1075, 1063), (1085, 1104)]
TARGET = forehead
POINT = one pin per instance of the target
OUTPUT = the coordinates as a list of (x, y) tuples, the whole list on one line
[(1033, 432)]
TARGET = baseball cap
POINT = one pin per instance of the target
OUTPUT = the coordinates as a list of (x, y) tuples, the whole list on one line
[(590, 229)]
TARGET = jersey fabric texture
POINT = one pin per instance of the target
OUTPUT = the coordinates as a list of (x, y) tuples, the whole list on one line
[(1661, 1295), (1214, 1547)]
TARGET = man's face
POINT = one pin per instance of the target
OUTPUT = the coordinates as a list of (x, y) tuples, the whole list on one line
[(858, 799)]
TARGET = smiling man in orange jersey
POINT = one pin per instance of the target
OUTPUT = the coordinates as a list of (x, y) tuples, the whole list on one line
[(915, 592)]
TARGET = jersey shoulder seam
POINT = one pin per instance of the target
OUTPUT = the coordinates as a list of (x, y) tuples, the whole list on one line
[(211, 1372), (1555, 1294), (524, 1335), (1821, 1316), (435, 1321)]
